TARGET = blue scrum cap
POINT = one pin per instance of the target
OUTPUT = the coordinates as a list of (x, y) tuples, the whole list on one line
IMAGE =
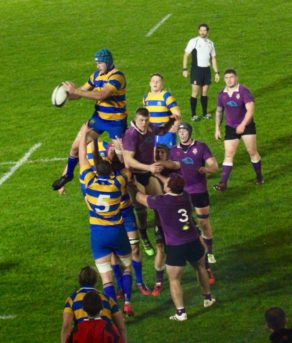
[(104, 55)]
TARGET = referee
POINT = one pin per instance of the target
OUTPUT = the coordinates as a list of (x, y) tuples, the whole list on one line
[(203, 51)]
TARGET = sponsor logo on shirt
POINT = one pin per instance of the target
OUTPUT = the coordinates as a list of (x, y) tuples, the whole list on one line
[(195, 151), (232, 103), (238, 96), (148, 140), (187, 160)]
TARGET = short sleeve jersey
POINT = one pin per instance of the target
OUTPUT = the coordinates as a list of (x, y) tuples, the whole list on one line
[(103, 197), (74, 305), (142, 144), (234, 105), (190, 162), (160, 107), (114, 107), (175, 213), (201, 49)]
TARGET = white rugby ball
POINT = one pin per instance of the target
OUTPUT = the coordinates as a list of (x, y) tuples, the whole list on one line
[(59, 96)]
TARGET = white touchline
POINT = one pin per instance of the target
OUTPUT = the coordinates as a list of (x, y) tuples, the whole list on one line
[(158, 25), (9, 316), (41, 160), (19, 163)]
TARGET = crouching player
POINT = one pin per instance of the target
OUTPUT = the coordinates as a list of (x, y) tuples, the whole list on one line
[(182, 240), (107, 234)]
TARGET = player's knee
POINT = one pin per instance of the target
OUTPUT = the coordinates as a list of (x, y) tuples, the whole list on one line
[(104, 267), (203, 217), (126, 261)]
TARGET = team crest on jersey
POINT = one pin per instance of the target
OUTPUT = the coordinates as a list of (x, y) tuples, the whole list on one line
[(238, 96), (148, 140), (187, 160), (159, 103), (195, 151)]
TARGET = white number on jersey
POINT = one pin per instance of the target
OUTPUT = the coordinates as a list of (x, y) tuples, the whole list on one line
[(101, 202)]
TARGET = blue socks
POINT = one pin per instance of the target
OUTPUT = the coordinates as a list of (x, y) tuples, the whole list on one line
[(127, 286), (71, 164), (109, 290), (137, 265), (118, 275)]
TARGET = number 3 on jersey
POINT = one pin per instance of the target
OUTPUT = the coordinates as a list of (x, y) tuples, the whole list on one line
[(184, 218)]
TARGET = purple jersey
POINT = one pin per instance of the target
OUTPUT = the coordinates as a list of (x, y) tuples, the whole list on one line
[(142, 144), (234, 106), (190, 161), (175, 213)]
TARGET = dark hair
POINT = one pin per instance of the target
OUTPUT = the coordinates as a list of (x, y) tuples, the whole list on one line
[(142, 111), (92, 303), (103, 168), (156, 74), (204, 25), (275, 318), (230, 71), (87, 276), (176, 183)]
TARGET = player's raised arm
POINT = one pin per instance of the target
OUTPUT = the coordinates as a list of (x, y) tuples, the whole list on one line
[(83, 145)]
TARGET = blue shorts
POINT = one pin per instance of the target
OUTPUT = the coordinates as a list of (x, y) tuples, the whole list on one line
[(105, 240), (168, 139), (115, 128), (129, 219)]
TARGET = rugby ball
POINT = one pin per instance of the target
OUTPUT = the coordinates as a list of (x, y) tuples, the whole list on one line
[(59, 96)]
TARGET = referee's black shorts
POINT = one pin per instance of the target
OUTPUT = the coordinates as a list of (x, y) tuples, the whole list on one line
[(200, 76), (230, 132), (178, 255)]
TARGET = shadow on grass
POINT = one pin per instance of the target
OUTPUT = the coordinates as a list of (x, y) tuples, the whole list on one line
[(260, 265), (8, 265)]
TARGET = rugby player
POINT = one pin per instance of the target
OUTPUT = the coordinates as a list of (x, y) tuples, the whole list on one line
[(182, 240), (195, 160), (161, 106), (74, 314), (238, 104), (107, 87), (138, 153), (107, 234)]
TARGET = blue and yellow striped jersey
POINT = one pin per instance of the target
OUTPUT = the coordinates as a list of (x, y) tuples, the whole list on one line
[(127, 175), (160, 107), (74, 305), (114, 107), (103, 197), (102, 151)]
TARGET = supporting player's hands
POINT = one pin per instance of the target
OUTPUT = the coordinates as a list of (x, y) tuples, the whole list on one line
[(240, 129), (185, 73), (155, 167), (217, 77), (217, 134), (202, 170)]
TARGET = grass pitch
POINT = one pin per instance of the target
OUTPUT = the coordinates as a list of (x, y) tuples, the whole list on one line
[(45, 238)]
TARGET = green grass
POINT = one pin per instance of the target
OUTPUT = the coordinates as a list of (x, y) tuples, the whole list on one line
[(45, 239)]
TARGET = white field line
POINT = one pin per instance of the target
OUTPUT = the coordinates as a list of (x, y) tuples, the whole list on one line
[(42, 160), (9, 316), (19, 163), (154, 28)]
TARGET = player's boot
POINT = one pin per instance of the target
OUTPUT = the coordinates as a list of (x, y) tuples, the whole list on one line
[(178, 317), (209, 302), (220, 187), (157, 290), (211, 258), (127, 309), (260, 181), (207, 116), (61, 182), (149, 250), (211, 277), (196, 118), (120, 294), (143, 289)]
